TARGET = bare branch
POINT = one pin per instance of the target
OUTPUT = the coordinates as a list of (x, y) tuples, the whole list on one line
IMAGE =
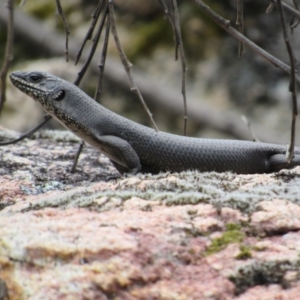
[(294, 24), (89, 58), (89, 34), (292, 10), (99, 87), (101, 64), (51, 41), (127, 65), (225, 24), (75, 161), (286, 6), (171, 10), (8, 57), (183, 62), (66, 26), (170, 13), (29, 133), (293, 84), (94, 47)]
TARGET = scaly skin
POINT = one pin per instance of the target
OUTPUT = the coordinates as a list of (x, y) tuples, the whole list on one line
[(135, 148)]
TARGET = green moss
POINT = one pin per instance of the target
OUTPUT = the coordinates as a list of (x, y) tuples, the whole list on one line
[(232, 235), (245, 252), (232, 226)]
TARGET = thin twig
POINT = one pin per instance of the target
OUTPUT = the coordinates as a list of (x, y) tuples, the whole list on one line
[(8, 56), (75, 161), (295, 12), (93, 48), (99, 86), (183, 63), (183, 88), (29, 133), (89, 34), (84, 68), (286, 6), (240, 23), (294, 24), (127, 65), (66, 26), (293, 84), (101, 64), (171, 11), (291, 9), (225, 24)]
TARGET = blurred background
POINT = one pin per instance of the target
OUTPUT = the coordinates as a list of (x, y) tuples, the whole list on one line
[(221, 87)]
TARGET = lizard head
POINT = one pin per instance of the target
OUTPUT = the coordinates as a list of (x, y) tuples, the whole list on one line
[(44, 88), (60, 98)]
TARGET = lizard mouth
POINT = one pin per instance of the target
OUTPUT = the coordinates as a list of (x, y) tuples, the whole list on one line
[(25, 86)]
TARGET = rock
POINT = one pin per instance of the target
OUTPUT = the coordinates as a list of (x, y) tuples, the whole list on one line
[(185, 235)]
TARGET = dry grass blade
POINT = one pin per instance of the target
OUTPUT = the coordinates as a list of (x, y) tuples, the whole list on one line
[(127, 65), (8, 56), (66, 26)]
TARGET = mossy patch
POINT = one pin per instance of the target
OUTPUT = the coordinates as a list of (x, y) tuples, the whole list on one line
[(232, 234), (245, 252)]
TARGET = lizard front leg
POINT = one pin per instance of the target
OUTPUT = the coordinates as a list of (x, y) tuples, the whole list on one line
[(120, 152)]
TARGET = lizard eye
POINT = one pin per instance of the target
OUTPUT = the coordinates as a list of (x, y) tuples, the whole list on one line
[(35, 78), (59, 95)]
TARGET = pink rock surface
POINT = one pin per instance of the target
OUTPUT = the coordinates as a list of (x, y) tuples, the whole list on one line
[(169, 236), (84, 255)]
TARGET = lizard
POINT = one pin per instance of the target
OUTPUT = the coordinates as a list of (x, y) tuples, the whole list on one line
[(134, 148)]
